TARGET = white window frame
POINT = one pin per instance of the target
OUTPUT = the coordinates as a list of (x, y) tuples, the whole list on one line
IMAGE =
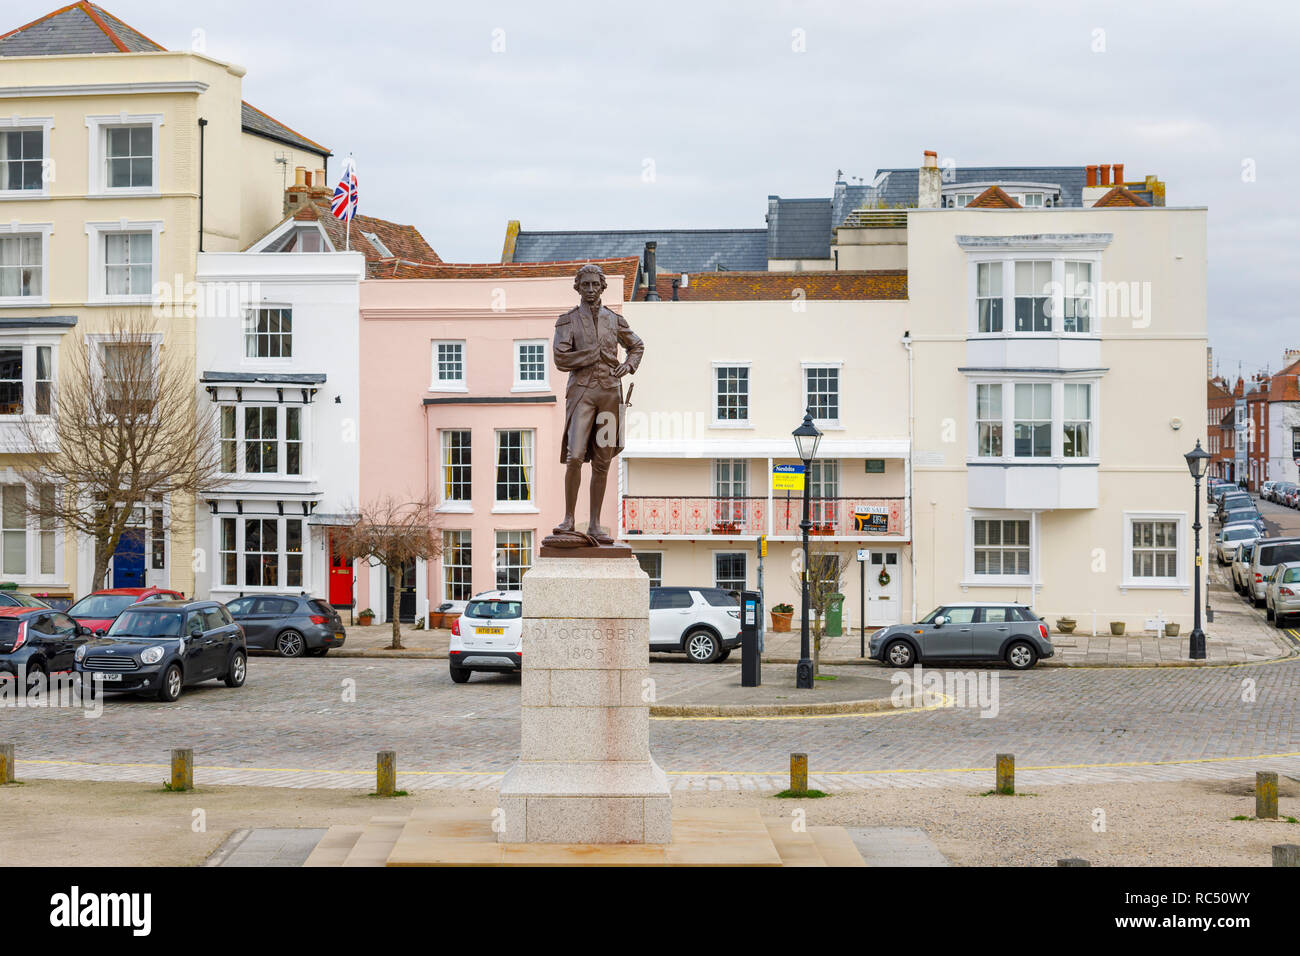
[(96, 275), (730, 552), (1180, 582), (241, 553), (32, 574), (445, 583), (21, 124), (745, 422), (533, 386), (653, 553), (1000, 580), (497, 549), (805, 368), (281, 441), (1058, 382), (28, 345), (98, 127), (523, 506), (454, 505), (1058, 255), (437, 385), (250, 312), (42, 231)]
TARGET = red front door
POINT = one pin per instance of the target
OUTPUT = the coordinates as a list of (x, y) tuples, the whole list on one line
[(340, 577)]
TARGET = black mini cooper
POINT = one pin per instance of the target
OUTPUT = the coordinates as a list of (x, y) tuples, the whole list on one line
[(161, 647)]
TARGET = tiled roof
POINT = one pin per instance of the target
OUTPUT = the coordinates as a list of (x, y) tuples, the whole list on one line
[(1121, 196), (678, 250), (1285, 385), (626, 266), (254, 121), (78, 28), (799, 228), (401, 242), (846, 199), (898, 186), (782, 286), (994, 197)]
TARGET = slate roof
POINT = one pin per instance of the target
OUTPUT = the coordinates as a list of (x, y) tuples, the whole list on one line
[(898, 186), (678, 250), (799, 228), (77, 28), (254, 121)]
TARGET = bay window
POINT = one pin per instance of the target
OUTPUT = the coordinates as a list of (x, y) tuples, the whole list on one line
[(261, 551), (26, 379), (264, 440), (1033, 296), (1033, 420)]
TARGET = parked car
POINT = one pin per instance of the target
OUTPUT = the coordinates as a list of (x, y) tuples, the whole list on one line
[(1280, 492), (100, 609), (1291, 496), (19, 599), (1266, 490), (970, 631), (1282, 598), (1241, 568), (163, 646), (1267, 555), (702, 623), (290, 624), (1243, 516), (488, 635), (38, 640), (1226, 541)]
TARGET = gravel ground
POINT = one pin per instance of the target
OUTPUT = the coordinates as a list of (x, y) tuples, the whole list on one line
[(1155, 824)]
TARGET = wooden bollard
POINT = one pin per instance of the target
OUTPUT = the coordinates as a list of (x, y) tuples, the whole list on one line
[(1286, 854), (182, 769), (1073, 861), (1006, 769), (1265, 795), (798, 773), (386, 773), (6, 763)]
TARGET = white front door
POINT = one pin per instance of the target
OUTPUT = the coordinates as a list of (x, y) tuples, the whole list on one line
[(884, 600)]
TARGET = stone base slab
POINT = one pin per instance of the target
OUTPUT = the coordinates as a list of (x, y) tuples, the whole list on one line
[(585, 802)]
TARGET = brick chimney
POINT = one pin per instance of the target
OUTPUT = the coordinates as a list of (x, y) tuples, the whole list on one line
[(929, 182), (1090, 176), (1119, 174), (1290, 356)]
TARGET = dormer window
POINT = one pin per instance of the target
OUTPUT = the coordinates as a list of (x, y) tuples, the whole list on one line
[(380, 248), (301, 239)]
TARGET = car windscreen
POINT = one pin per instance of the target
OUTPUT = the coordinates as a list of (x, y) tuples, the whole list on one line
[(1238, 534), (101, 605), (147, 624), (495, 610), (1271, 554), (929, 618), (26, 600), (1240, 514)]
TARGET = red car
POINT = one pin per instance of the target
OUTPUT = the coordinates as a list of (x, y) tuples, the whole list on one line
[(99, 610)]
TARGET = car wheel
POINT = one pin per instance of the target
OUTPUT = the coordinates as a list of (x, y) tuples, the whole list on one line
[(170, 688), (318, 652), (459, 675), (238, 670), (1268, 613), (701, 647), (900, 654), (290, 644), (1021, 655)]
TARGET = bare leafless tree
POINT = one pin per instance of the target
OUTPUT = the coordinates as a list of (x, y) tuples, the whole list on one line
[(390, 532), (825, 577), (126, 431)]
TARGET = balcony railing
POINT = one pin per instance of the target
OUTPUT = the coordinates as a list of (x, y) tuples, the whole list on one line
[(747, 517)]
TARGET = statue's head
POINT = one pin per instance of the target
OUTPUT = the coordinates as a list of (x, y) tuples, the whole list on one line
[(590, 283)]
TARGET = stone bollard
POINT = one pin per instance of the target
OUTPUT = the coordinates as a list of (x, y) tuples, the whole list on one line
[(798, 773), (6, 764), (1006, 770), (1265, 795), (1286, 854), (386, 773), (182, 770), (1072, 861)]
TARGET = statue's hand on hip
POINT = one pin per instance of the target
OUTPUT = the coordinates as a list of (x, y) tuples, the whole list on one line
[(622, 369)]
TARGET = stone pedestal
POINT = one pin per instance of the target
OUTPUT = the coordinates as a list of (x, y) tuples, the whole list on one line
[(585, 774)]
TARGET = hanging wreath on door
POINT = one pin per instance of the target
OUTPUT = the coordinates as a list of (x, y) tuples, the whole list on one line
[(883, 578)]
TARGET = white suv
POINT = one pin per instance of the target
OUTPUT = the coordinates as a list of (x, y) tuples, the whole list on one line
[(703, 623), (488, 635)]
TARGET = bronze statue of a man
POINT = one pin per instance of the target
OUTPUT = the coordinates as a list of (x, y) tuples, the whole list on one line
[(587, 339)]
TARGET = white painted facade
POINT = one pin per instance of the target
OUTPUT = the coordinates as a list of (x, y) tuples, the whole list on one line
[(290, 424)]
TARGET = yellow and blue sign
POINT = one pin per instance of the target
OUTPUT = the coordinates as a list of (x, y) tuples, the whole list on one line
[(787, 477)]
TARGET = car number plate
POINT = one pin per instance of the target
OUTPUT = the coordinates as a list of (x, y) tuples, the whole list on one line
[(109, 677), (489, 630), (339, 635)]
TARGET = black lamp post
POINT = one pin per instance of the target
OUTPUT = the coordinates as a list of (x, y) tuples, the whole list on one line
[(1198, 459), (806, 439)]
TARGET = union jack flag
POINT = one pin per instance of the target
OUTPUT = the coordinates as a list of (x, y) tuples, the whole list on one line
[(344, 204)]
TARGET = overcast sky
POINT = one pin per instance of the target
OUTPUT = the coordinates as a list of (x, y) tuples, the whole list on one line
[(556, 128)]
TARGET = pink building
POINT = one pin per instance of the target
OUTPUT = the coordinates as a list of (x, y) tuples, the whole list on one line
[(460, 397)]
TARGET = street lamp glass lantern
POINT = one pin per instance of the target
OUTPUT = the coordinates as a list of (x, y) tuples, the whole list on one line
[(806, 439), (1198, 460)]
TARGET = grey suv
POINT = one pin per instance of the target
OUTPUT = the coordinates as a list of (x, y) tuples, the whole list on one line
[(1269, 553), (969, 631), (289, 624)]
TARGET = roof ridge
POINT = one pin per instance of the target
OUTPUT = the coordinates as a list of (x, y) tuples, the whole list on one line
[(96, 14), (118, 19), (307, 139)]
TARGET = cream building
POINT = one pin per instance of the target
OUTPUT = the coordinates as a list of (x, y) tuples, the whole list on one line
[(119, 162)]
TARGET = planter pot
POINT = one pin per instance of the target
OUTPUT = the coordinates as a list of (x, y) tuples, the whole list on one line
[(1171, 630), (366, 620), (781, 622), (1066, 625), (1117, 628)]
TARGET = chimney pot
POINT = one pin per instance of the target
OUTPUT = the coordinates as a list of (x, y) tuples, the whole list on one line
[(1105, 174), (319, 179), (1090, 175), (931, 158), (300, 176), (1119, 174)]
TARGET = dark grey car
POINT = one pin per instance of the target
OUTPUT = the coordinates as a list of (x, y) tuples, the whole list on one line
[(289, 624), (972, 631)]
